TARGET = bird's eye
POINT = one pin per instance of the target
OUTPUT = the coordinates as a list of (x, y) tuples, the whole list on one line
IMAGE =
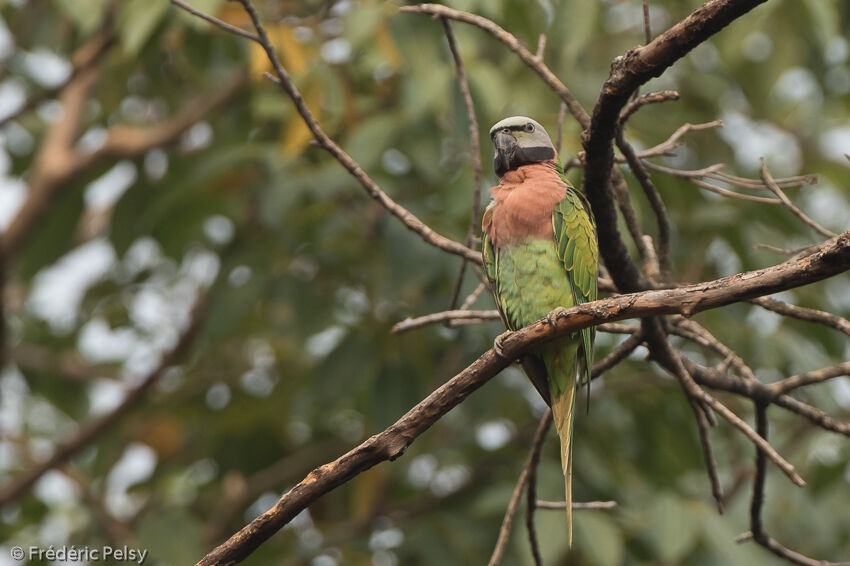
[(529, 127)]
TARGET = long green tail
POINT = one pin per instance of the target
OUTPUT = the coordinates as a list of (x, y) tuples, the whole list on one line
[(560, 360)]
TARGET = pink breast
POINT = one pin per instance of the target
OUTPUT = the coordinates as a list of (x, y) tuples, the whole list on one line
[(523, 203)]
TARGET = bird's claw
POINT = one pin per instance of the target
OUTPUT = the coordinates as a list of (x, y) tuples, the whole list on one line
[(552, 317), (497, 343)]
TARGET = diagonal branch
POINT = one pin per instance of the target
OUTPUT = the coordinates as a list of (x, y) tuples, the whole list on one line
[(828, 259), (817, 376), (775, 189), (802, 313), (414, 224)]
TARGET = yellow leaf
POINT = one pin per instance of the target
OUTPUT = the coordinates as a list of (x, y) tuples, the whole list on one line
[(386, 45), (292, 54), (296, 135)]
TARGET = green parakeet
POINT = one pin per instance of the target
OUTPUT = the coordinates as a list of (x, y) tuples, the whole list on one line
[(540, 253)]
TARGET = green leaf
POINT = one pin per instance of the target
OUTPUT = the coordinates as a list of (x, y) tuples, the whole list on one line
[(599, 537), (672, 527), (172, 537), (137, 20), (85, 14)]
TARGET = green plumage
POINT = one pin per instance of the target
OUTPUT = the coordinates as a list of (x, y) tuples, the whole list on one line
[(535, 275)]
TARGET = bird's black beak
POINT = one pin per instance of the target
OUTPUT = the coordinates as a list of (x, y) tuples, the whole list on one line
[(506, 146)]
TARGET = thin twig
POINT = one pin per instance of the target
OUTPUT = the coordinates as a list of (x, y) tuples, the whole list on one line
[(461, 317), (698, 333), (655, 201), (414, 224), (647, 32), (703, 426), (541, 46), (711, 377), (562, 116), (444, 316), (531, 461), (619, 354), (757, 532), (216, 22), (811, 377), (671, 360), (771, 184), (643, 100), (473, 296), (474, 149), (802, 313), (577, 505)]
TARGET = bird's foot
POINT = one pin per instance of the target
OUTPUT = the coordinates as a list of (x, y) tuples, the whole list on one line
[(497, 343), (552, 317)]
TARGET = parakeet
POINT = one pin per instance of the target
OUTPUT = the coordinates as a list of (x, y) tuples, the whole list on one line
[(540, 252)]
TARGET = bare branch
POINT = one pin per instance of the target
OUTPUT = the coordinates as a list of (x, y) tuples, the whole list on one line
[(530, 464), (716, 379), (643, 100), (577, 505), (831, 258), (627, 74), (809, 378), (473, 296), (562, 116), (619, 354), (512, 43), (811, 315), (413, 223), (698, 333), (655, 201), (757, 532), (216, 22), (474, 149), (771, 184), (444, 316)]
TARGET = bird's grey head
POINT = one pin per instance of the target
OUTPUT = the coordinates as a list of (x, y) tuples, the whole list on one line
[(519, 140)]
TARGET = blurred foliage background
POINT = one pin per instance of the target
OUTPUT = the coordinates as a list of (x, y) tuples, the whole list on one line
[(306, 275)]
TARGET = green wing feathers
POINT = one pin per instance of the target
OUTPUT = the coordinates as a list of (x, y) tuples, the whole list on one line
[(531, 276), (574, 230)]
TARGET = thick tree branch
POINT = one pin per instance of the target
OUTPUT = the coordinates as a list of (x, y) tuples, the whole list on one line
[(627, 73), (829, 259)]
